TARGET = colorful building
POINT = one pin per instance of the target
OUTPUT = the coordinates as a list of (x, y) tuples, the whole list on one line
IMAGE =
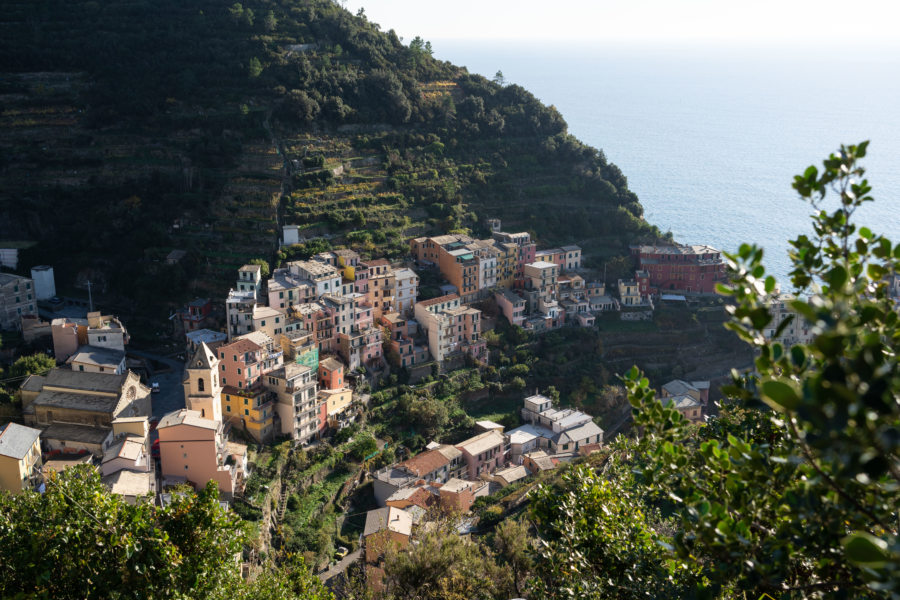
[(251, 410), (193, 449), (683, 268)]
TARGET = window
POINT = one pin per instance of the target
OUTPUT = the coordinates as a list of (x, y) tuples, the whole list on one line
[(239, 371), (228, 408), (81, 367), (201, 385), (246, 412), (223, 381)]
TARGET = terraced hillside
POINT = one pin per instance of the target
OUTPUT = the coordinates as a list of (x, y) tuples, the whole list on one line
[(134, 128)]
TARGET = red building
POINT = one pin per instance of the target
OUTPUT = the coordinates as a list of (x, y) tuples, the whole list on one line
[(679, 268), (195, 314)]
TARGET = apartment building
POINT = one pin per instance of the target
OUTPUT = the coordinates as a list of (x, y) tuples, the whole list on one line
[(250, 280), (193, 449), (17, 298), (511, 305), (683, 268), (483, 453), (451, 327), (296, 401)]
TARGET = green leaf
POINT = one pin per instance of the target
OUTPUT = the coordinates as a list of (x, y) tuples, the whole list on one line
[(837, 277), (780, 395), (862, 547)]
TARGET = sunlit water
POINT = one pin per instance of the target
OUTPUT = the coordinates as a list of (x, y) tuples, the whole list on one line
[(710, 139)]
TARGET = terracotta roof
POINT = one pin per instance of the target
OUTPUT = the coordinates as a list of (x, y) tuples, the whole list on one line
[(425, 463), (417, 496), (240, 346), (438, 300)]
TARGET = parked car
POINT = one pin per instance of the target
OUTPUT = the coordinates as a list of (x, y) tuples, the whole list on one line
[(340, 553), (154, 387)]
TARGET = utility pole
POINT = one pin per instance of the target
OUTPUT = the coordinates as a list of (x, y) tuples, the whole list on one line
[(90, 298)]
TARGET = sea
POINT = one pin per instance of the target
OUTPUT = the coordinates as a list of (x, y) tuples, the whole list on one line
[(710, 137)]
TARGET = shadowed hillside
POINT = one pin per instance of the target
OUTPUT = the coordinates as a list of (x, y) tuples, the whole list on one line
[(131, 128)]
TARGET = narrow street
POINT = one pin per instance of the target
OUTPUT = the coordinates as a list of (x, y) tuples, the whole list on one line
[(340, 566), (171, 393)]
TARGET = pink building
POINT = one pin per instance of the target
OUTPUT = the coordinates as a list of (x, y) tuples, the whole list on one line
[(483, 453), (511, 305), (193, 448), (241, 363), (322, 417), (361, 279)]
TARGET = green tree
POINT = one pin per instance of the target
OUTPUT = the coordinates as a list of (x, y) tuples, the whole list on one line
[(362, 446), (77, 540), (427, 415), (254, 67), (794, 491), (441, 565), (31, 364), (270, 22), (263, 266), (513, 547), (553, 394), (598, 540)]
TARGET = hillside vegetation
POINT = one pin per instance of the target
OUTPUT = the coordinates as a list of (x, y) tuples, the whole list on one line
[(131, 128)]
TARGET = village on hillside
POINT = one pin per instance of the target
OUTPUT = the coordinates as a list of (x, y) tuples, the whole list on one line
[(299, 354)]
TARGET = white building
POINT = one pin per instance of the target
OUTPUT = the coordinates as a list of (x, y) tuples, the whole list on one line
[(407, 290)]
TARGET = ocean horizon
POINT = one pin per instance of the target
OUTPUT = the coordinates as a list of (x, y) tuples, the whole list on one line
[(710, 137)]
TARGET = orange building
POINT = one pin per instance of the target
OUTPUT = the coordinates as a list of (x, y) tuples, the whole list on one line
[(331, 374)]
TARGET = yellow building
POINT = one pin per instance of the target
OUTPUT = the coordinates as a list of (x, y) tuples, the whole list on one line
[(251, 411), (506, 264), (337, 403), (20, 457)]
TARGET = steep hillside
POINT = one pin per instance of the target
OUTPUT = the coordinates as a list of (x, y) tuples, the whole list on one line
[(131, 128)]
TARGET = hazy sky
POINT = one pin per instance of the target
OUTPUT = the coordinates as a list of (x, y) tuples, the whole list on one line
[(804, 22)]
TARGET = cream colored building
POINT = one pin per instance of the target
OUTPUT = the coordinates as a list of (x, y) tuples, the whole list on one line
[(76, 409), (294, 386), (202, 385)]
